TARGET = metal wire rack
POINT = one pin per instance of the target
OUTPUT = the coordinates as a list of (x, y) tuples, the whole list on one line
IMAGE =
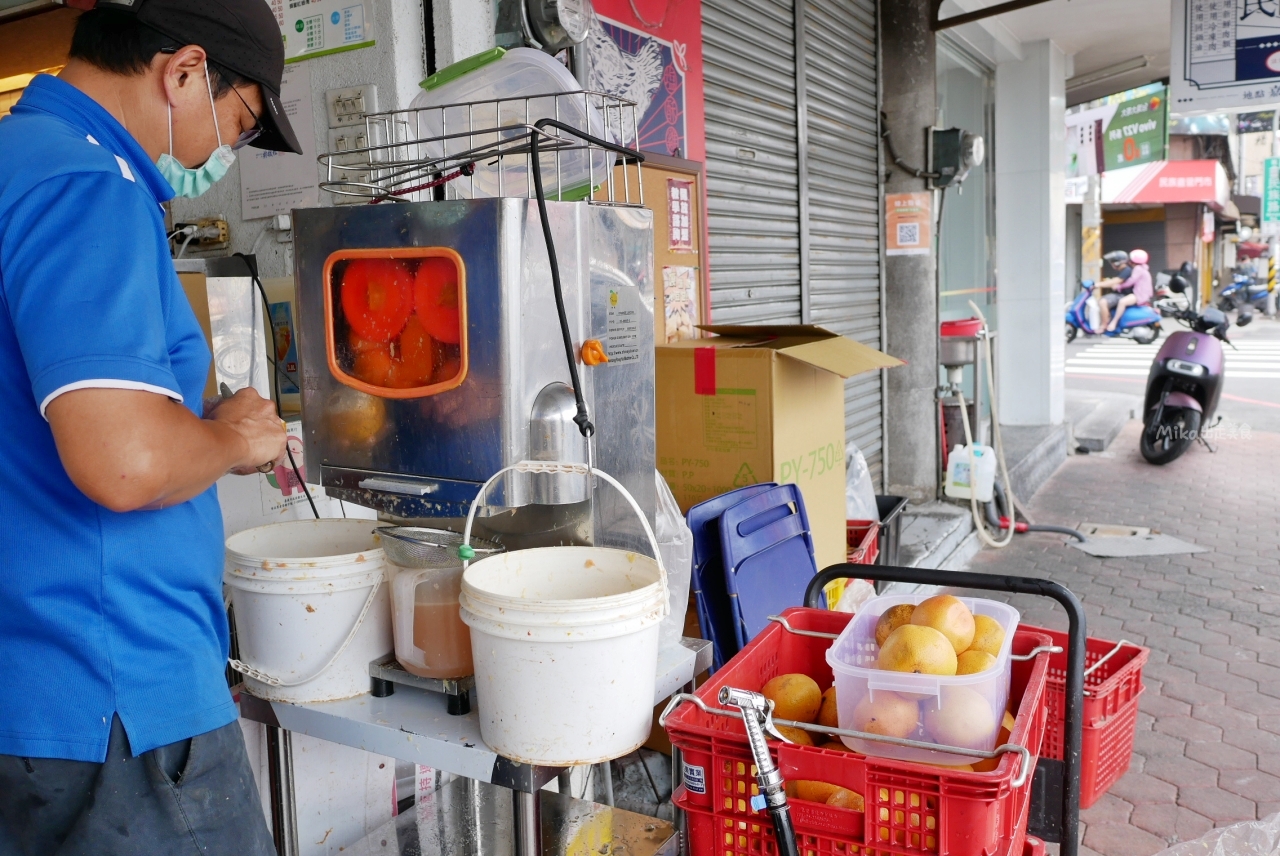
[(484, 149)]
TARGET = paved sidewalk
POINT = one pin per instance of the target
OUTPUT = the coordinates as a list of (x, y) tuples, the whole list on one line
[(1207, 750)]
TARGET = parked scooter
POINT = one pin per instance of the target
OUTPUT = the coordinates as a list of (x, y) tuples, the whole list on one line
[(1243, 291), (1184, 385), (1140, 323), (1173, 291)]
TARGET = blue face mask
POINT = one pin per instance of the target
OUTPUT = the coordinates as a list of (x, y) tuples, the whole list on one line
[(188, 182)]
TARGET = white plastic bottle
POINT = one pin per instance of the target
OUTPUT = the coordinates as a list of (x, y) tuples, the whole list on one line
[(979, 476)]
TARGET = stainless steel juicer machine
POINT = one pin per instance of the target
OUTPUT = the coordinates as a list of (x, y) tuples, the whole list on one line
[(459, 207)]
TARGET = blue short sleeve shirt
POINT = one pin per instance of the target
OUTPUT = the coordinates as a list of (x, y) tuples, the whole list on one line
[(101, 613)]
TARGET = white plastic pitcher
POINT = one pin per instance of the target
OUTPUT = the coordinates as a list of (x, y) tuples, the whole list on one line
[(310, 608), (565, 643)]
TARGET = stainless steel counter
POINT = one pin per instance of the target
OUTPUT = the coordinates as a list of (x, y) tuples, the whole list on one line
[(413, 725)]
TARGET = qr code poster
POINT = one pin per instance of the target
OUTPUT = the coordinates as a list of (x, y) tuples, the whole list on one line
[(908, 219)]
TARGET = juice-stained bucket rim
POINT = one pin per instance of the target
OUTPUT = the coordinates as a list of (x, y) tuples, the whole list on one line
[(627, 600), (586, 470), (302, 568)]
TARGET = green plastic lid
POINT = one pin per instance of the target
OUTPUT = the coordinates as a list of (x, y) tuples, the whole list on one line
[(461, 67), (465, 551)]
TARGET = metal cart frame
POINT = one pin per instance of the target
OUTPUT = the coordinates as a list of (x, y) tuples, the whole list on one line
[(1055, 790)]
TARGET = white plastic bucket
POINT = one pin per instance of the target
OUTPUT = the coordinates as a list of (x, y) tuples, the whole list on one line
[(310, 608), (565, 645)]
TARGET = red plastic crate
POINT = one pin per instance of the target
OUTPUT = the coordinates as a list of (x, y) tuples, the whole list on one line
[(1110, 712), (910, 808), (862, 541)]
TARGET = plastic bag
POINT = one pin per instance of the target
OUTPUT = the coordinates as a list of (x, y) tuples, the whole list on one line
[(675, 543), (1251, 838), (859, 492)]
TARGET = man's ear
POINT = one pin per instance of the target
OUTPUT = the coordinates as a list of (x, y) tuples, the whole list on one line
[(181, 68)]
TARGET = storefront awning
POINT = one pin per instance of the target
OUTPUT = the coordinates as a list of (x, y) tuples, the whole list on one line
[(1160, 182)]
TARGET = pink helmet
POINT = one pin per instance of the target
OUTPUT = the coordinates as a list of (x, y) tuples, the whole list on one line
[(1139, 257)]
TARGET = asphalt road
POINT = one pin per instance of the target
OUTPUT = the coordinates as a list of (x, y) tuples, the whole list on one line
[(1250, 398)]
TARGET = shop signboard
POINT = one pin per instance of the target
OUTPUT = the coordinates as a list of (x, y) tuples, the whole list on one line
[(1271, 190), (1126, 129), (1225, 55)]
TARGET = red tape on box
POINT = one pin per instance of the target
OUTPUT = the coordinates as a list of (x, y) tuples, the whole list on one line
[(704, 371)]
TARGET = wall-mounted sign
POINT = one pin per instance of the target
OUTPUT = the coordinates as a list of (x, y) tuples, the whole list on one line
[(1225, 55), (908, 221), (1118, 132), (277, 182), (314, 28)]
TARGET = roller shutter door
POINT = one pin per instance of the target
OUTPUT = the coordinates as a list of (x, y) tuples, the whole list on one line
[(792, 166)]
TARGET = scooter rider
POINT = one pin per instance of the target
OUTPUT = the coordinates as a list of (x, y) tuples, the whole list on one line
[(1134, 289)]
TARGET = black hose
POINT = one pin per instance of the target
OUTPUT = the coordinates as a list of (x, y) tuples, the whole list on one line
[(993, 517), (1061, 530), (583, 418)]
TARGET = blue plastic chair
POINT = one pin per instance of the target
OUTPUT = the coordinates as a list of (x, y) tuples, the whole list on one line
[(715, 613), (768, 557)]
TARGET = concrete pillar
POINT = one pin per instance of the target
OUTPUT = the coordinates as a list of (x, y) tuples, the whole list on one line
[(1030, 233), (908, 62), (463, 28)]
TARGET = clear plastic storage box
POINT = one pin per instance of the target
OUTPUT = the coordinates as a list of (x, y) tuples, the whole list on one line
[(498, 101), (853, 657)]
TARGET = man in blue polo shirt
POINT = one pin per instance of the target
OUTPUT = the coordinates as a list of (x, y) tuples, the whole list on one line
[(117, 731)]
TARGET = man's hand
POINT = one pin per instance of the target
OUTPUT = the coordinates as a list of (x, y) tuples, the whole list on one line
[(128, 450), (254, 419)]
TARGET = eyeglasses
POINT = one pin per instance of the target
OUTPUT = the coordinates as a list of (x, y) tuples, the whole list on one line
[(247, 137)]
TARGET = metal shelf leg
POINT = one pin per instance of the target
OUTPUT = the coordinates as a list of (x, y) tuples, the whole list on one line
[(527, 814), (284, 817)]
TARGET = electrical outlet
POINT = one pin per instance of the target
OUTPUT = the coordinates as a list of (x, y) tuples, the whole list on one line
[(350, 139), (350, 105), (211, 233)]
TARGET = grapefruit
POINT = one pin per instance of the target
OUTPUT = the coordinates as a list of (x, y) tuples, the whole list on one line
[(377, 297), (988, 635), (986, 765), (845, 798), (891, 619), (972, 662), (961, 717), (795, 697), (818, 792), (836, 746), (435, 294), (887, 714), (373, 365), (949, 616), (827, 713), (923, 650), (798, 736)]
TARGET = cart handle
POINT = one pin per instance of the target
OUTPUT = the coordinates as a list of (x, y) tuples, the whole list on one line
[(1019, 780), (1073, 713)]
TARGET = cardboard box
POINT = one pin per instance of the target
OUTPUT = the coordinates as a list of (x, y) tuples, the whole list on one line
[(757, 404)]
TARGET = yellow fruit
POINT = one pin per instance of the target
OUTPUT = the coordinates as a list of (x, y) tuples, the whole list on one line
[(922, 650), (988, 635), (987, 765), (949, 616), (827, 714), (887, 714), (972, 662), (795, 735), (891, 619), (845, 798), (818, 792), (794, 697), (963, 768), (961, 717), (836, 746)]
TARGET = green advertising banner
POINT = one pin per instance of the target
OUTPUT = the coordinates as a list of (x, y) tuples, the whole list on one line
[(1138, 132), (1271, 190)]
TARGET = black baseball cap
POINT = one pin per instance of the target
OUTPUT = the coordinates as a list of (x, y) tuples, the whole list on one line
[(242, 35)]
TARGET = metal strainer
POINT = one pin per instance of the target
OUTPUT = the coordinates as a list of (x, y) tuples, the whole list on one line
[(420, 547)]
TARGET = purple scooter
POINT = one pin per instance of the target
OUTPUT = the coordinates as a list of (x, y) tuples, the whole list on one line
[(1184, 385)]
